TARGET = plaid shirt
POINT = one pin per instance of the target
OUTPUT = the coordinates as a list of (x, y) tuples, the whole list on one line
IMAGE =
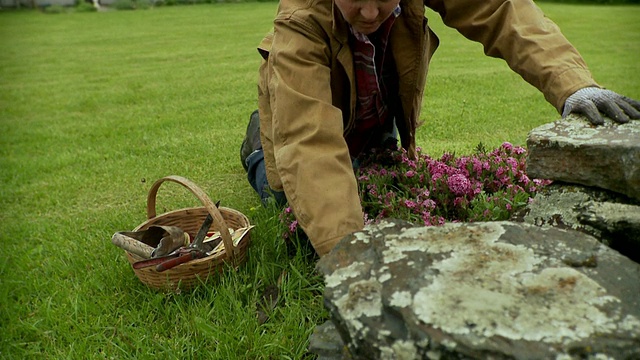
[(373, 83)]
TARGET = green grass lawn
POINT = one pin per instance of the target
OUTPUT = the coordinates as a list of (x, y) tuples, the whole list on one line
[(94, 107)]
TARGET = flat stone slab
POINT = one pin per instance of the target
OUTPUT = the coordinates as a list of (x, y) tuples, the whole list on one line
[(574, 151), (498, 290)]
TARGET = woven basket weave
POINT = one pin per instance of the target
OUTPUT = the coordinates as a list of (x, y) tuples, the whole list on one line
[(187, 275)]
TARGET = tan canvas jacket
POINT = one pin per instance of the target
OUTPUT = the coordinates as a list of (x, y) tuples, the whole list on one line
[(307, 92)]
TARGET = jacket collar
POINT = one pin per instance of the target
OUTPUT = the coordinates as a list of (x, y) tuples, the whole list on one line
[(340, 25)]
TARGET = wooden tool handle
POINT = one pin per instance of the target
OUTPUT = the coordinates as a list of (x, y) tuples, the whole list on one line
[(169, 264), (132, 245)]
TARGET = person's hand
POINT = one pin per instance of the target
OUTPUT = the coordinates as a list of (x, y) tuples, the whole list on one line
[(593, 102)]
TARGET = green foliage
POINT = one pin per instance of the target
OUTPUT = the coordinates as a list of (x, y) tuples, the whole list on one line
[(84, 6), (133, 4), (497, 206), (124, 4), (54, 9), (96, 106)]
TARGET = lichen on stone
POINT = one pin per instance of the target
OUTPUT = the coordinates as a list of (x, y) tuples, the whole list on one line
[(339, 275), (502, 290), (401, 299), (362, 299), (503, 287), (360, 237), (630, 323), (576, 132), (399, 350)]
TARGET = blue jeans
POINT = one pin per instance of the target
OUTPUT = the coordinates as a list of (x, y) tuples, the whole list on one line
[(257, 176)]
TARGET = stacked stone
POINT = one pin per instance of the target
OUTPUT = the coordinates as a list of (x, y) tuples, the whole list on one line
[(597, 175), (545, 286)]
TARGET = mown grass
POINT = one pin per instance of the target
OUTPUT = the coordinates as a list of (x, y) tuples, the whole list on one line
[(94, 107)]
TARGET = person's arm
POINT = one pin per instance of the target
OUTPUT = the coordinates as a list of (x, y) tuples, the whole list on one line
[(311, 155), (534, 47)]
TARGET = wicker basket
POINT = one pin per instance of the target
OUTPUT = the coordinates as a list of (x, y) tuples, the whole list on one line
[(187, 275)]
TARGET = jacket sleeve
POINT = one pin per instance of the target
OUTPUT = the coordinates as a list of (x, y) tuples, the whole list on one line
[(531, 44), (309, 151)]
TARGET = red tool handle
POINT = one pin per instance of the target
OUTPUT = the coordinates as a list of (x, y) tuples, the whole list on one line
[(169, 264), (150, 262)]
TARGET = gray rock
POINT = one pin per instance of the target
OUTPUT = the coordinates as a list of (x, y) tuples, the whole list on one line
[(557, 206), (574, 151), (613, 219), (326, 343), (618, 222), (482, 291)]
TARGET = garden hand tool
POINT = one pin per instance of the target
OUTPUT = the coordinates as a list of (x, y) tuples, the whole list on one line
[(173, 239), (132, 245), (154, 241), (590, 101), (184, 254)]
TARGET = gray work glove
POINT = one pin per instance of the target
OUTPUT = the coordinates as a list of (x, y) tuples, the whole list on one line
[(590, 101)]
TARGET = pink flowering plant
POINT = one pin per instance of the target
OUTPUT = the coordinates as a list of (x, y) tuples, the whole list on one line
[(486, 186)]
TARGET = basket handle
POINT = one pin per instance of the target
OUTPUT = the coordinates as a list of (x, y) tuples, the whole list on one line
[(218, 220)]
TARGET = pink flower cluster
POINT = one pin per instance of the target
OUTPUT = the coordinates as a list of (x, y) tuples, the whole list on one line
[(288, 218), (486, 186)]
